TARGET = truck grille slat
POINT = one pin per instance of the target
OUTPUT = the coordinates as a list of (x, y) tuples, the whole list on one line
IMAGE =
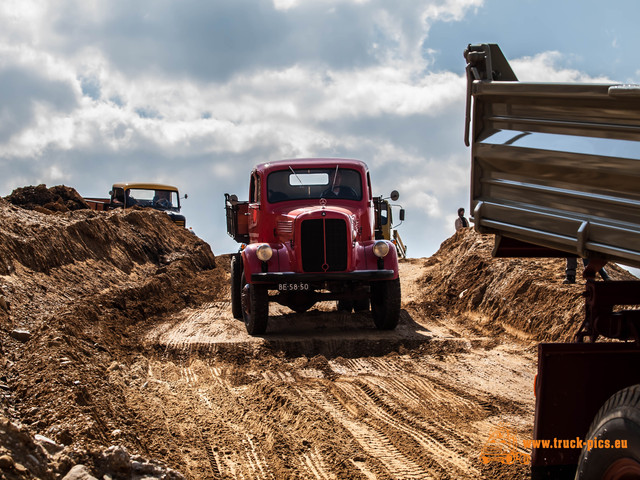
[(324, 245)]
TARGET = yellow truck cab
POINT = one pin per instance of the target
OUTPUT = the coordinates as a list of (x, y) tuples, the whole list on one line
[(384, 226), (145, 195)]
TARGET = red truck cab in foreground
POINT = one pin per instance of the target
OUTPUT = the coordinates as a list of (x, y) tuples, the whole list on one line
[(308, 227)]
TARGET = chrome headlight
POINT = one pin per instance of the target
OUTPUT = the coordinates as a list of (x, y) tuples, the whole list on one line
[(264, 252), (381, 248)]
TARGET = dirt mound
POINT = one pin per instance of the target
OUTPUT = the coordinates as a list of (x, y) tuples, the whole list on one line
[(73, 285), (524, 296), (55, 199)]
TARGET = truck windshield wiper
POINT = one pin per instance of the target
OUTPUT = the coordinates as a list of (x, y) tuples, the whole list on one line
[(294, 172), (335, 176)]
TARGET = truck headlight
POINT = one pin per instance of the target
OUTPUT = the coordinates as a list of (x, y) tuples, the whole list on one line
[(381, 248), (264, 252)]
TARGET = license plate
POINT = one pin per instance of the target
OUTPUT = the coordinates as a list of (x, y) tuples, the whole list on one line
[(293, 287)]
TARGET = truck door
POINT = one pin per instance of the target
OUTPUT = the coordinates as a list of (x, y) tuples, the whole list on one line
[(254, 207)]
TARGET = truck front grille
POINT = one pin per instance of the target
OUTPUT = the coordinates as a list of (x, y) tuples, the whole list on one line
[(324, 245)]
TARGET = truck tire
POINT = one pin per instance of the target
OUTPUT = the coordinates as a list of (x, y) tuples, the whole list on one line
[(236, 287), (345, 306), (618, 419), (256, 309), (385, 303), (301, 305), (361, 305)]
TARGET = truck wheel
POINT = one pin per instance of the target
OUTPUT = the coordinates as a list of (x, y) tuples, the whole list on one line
[(301, 305), (385, 303), (345, 305), (256, 309), (361, 305), (236, 287), (617, 420)]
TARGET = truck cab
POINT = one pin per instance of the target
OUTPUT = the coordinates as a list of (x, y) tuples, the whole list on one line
[(161, 197), (308, 235), (384, 226)]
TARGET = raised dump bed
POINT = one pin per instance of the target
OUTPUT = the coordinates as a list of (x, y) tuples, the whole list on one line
[(553, 165)]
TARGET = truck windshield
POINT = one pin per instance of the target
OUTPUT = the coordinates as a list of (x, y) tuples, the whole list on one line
[(160, 199), (314, 183)]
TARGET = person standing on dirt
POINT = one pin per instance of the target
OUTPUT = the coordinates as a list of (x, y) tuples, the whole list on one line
[(461, 222), (570, 272)]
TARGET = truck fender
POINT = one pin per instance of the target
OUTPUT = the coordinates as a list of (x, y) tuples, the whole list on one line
[(281, 261), (367, 260)]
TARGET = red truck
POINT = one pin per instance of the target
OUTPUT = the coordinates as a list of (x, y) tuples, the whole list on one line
[(555, 172), (308, 234)]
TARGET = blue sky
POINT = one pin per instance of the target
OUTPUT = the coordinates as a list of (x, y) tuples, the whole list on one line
[(195, 93)]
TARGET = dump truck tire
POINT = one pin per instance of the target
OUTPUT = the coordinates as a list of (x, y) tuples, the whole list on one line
[(617, 420), (385, 303), (236, 287)]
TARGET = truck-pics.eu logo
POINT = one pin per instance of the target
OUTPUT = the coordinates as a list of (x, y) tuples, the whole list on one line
[(503, 447)]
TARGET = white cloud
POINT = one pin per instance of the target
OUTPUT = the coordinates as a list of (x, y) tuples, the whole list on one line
[(543, 67), (196, 93)]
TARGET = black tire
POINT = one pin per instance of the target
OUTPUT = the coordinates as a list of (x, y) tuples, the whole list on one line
[(361, 305), (617, 420), (345, 306), (301, 306), (385, 303), (236, 287), (256, 310)]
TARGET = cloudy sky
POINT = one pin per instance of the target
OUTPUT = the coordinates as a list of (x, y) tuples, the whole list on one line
[(194, 93)]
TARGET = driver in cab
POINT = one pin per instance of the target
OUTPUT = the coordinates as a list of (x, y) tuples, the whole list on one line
[(338, 189)]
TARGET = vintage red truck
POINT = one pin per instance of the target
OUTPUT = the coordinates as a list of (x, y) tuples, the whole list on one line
[(308, 234)]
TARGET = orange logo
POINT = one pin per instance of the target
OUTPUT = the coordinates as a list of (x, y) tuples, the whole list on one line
[(502, 447)]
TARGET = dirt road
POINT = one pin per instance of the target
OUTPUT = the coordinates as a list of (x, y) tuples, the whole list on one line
[(327, 396)]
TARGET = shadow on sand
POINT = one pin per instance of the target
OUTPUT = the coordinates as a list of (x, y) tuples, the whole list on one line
[(339, 334)]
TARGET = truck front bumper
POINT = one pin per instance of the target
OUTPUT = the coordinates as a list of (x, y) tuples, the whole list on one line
[(292, 277)]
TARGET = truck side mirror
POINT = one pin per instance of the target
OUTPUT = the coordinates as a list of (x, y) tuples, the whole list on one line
[(394, 195), (402, 214)]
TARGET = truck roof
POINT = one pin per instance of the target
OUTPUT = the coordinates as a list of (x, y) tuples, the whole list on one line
[(311, 163), (146, 186)]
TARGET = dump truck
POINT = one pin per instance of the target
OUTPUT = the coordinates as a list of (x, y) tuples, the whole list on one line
[(165, 198), (307, 235), (555, 172)]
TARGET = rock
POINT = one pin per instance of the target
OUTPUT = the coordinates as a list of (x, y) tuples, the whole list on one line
[(21, 335), (48, 444), (4, 304), (117, 459), (6, 462), (79, 472)]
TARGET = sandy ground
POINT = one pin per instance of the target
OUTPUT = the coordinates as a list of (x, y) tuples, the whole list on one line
[(325, 395)]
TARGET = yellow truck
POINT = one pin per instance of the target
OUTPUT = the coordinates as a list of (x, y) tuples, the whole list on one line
[(161, 197), (384, 222)]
